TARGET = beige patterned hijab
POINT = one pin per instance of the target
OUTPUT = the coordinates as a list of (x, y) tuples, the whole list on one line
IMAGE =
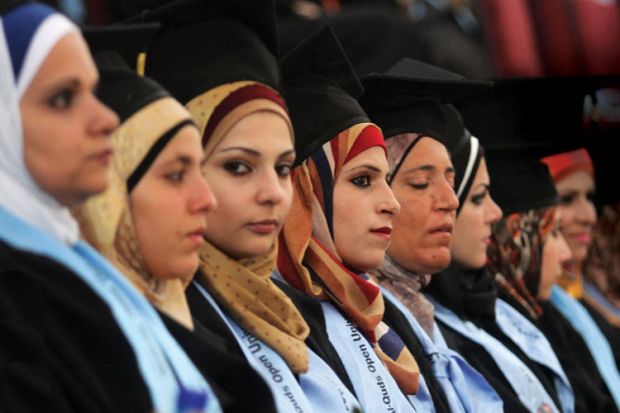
[(244, 287), (106, 220)]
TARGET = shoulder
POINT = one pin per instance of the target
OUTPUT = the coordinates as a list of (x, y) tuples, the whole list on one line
[(60, 341)]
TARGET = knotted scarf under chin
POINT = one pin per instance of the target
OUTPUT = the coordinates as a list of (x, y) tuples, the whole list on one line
[(406, 286)]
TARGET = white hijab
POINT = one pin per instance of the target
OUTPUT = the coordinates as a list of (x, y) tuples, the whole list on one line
[(19, 193)]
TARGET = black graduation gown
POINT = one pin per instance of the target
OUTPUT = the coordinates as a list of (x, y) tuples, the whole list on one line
[(61, 349), (611, 332), (319, 342), (215, 352), (472, 295), (397, 320), (591, 393)]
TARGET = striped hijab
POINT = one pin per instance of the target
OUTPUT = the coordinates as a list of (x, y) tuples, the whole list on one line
[(308, 259)]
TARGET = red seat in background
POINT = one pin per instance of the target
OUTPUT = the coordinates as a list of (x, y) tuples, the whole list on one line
[(511, 37)]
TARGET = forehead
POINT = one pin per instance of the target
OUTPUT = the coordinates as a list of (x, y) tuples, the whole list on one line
[(374, 155), (577, 181), (185, 143), (427, 152), (482, 174), (263, 131), (69, 58)]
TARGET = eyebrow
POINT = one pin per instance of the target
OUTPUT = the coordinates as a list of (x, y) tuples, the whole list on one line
[(483, 184), (366, 166), (253, 152), (57, 86), (427, 168), (185, 160)]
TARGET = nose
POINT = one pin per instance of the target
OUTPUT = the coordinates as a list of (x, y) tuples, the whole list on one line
[(271, 188), (388, 204), (103, 120), (445, 198), (202, 198), (585, 212), (494, 212), (565, 252)]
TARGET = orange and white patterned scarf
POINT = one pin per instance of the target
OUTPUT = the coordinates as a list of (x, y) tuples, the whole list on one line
[(308, 259)]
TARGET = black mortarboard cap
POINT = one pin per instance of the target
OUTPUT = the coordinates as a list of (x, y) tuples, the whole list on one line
[(522, 120), (205, 44), (412, 96), (543, 113), (320, 88), (519, 180), (115, 50), (6, 5)]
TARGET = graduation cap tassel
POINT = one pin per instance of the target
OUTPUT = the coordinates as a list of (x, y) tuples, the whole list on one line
[(141, 63)]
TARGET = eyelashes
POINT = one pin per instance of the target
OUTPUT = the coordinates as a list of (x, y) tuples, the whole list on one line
[(62, 99), (361, 181), (237, 168), (241, 168), (477, 199), (176, 176), (419, 187)]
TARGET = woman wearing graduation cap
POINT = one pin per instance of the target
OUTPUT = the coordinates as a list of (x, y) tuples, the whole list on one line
[(150, 221), (248, 144), (406, 103), (573, 174), (526, 256), (340, 225), (522, 187), (76, 336)]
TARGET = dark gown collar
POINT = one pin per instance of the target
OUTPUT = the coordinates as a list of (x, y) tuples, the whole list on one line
[(471, 294)]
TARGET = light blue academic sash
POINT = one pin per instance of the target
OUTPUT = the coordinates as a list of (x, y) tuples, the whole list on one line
[(597, 343), (286, 390), (536, 346), (526, 385), (175, 384), (324, 389), (375, 388), (465, 388), (591, 290)]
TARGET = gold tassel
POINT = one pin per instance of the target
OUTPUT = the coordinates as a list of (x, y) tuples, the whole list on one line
[(141, 63)]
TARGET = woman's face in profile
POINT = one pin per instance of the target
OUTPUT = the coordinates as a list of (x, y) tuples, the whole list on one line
[(65, 127), (424, 187), (169, 207)]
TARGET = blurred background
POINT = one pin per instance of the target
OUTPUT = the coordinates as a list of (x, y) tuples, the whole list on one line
[(479, 39)]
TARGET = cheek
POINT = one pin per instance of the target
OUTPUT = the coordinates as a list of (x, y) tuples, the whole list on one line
[(568, 216), (287, 201), (409, 223), (230, 205)]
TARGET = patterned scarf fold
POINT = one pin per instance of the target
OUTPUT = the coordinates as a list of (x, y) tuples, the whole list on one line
[(406, 286), (515, 255), (244, 287), (308, 259), (106, 221)]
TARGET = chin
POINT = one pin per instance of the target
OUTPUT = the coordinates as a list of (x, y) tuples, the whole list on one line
[(580, 253), (255, 249), (436, 261), (368, 261), (364, 266), (475, 263)]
